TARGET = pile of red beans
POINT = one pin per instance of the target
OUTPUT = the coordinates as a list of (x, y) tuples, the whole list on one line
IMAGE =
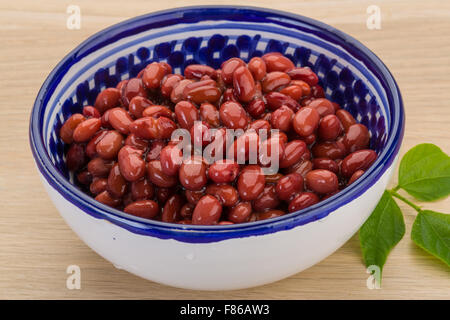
[(122, 154)]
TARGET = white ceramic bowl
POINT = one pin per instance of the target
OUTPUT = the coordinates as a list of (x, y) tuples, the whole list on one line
[(232, 256)]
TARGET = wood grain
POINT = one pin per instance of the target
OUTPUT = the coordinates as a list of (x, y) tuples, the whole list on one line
[(36, 246)]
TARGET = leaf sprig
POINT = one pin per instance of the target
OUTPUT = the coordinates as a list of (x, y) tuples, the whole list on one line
[(424, 173)]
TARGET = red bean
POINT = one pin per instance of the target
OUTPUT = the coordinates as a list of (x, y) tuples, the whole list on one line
[(269, 214), (329, 149), (258, 68), (134, 87), (186, 114), (358, 160), (228, 68), (317, 91), (67, 129), (260, 126), (227, 195), (256, 108), (163, 194), (76, 157), (196, 71), (108, 147), (289, 185), (251, 182), (267, 199), (158, 177), (192, 174), (223, 171), (193, 196), (99, 167), (117, 185), (240, 213), (143, 208), (346, 118), (84, 177), (304, 74), (302, 167), (273, 178), (276, 100), (138, 105), (207, 211), (120, 120), (293, 91), (355, 176), (187, 210), (153, 75), (302, 201), (233, 116), (244, 84), (107, 99), (292, 153), (138, 143), (151, 128), (210, 114), (322, 181), (356, 138), (169, 83), (157, 111), (323, 106), (204, 94), (98, 185), (171, 158), (91, 112), (91, 147), (107, 199), (86, 129), (326, 163), (282, 118), (131, 163), (142, 189), (177, 93), (275, 80), (277, 62), (329, 127), (306, 89), (172, 208), (306, 121)]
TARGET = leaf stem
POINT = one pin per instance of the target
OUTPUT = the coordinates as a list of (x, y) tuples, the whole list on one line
[(395, 194)]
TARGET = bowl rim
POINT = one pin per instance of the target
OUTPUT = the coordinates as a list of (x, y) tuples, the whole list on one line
[(199, 233)]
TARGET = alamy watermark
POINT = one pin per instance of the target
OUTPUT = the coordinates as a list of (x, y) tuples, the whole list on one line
[(73, 21), (73, 281)]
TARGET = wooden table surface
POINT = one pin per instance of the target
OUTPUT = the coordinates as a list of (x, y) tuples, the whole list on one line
[(36, 246)]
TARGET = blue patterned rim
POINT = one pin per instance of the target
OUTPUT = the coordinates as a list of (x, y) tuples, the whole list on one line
[(204, 234)]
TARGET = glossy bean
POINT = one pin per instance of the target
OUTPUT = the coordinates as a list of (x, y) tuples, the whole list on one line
[(143, 208), (289, 185), (251, 182), (302, 201), (258, 68), (85, 130), (207, 211), (67, 129), (358, 160)]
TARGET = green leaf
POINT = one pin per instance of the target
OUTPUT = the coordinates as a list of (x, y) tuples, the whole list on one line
[(431, 232), (425, 172), (382, 231)]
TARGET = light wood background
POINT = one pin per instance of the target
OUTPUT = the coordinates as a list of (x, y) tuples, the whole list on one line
[(36, 246)]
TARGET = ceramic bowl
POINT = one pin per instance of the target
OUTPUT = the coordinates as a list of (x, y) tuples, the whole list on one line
[(229, 256)]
